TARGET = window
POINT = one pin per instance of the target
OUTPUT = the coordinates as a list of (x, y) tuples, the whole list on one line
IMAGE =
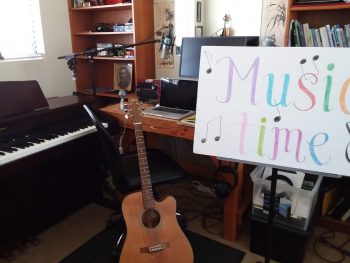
[(20, 29)]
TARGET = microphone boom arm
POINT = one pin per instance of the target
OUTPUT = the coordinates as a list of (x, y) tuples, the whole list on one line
[(72, 61), (95, 50)]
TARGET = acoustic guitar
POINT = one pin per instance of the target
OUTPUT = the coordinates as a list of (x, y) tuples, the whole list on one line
[(153, 233)]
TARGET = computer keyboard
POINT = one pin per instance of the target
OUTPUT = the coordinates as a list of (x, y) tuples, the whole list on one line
[(171, 110)]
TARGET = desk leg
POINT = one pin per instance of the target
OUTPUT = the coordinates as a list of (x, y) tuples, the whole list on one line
[(231, 208)]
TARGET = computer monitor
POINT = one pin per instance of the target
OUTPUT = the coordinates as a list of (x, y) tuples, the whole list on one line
[(191, 51)]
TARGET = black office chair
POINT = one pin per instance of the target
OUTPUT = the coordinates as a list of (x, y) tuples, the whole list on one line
[(124, 169)]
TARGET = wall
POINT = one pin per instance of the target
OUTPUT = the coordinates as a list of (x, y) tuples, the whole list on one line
[(245, 17), (52, 74), (245, 21)]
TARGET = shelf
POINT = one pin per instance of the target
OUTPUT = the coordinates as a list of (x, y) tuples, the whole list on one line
[(103, 7), (99, 94), (318, 7), (107, 58), (89, 33), (83, 21), (334, 224)]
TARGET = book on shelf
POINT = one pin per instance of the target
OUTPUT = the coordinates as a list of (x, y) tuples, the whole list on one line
[(307, 34), (301, 34), (291, 39), (341, 207), (330, 197), (346, 216), (347, 34), (296, 34), (330, 36), (324, 37), (304, 35), (318, 37)]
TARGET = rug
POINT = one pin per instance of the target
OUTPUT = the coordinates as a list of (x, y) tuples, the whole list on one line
[(101, 248)]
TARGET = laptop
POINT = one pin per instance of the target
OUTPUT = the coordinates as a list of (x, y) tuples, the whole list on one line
[(177, 100)]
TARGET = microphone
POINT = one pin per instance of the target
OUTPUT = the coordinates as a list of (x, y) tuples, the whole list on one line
[(167, 43), (269, 41), (122, 94)]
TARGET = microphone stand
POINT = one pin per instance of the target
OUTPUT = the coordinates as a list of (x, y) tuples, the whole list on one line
[(92, 75), (71, 58)]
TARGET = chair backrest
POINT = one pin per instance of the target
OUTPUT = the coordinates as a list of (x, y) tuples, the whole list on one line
[(109, 156)]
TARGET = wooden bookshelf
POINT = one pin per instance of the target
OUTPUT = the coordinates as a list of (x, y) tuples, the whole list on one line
[(340, 187), (317, 15), (83, 35), (334, 224)]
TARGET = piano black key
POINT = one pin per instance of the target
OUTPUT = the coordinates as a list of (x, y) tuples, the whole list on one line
[(8, 149)]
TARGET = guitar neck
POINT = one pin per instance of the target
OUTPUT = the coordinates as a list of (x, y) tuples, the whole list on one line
[(146, 184)]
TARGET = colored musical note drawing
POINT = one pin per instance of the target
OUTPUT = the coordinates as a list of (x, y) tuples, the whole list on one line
[(213, 123)]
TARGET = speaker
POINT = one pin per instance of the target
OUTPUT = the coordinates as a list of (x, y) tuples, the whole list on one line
[(148, 92)]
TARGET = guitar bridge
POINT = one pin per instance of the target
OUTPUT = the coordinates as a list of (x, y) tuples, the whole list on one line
[(155, 248)]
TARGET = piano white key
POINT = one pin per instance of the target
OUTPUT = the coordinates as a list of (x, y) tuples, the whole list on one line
[(38, 147)]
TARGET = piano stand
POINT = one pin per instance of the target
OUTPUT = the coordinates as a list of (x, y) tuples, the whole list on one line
[(36, 198)]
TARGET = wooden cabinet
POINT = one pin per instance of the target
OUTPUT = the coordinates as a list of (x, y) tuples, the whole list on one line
[(317, 15), (82, 25)]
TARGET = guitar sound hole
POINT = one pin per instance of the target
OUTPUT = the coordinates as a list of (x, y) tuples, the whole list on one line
[(150, 218)]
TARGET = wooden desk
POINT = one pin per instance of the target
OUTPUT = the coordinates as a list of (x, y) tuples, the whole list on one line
[(235, 205)]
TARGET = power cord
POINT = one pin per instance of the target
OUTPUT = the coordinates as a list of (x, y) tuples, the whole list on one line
[(323, 239), (204, 189), (210, 214), (120, 148)]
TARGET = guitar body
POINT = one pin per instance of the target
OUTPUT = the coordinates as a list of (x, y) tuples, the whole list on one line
[(153, 235)]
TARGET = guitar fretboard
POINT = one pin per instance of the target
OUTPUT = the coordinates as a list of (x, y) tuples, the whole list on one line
[(146, 184)]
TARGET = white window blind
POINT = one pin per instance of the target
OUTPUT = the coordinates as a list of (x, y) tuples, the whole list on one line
[(20, 29)]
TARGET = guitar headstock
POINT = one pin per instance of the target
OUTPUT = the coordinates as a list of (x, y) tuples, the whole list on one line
[(135, 111)]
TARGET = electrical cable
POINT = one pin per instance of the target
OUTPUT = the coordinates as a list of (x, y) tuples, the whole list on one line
[(323, 239), (210, 212), (120, 148), (202, 188)]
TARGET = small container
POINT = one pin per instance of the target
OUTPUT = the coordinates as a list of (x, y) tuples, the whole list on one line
[(294, 206), (119, 28), (129, 27)]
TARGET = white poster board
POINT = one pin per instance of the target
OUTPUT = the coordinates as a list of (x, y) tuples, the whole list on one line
[(284, 107)]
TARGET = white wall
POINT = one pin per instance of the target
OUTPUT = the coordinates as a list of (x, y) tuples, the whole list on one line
[(245, 21), (52, 74), (245, 17)]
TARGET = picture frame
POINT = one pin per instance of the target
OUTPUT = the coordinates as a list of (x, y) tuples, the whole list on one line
[(123, 76), (199, 11), (199, 31)]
